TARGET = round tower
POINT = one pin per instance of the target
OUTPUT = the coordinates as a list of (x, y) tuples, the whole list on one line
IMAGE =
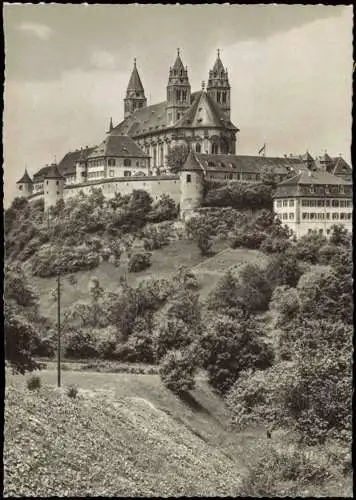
[(81, 169), (191, 186), (53, 186), (24, 186)]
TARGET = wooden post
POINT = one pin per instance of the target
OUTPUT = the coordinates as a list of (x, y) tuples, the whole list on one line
[(59, 330)]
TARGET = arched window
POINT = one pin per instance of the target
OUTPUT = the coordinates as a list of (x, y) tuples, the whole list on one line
[(224, 97), (198, 148), (214, 149), (127, 162), (218, 95)]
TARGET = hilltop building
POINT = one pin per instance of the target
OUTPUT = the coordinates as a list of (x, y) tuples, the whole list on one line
[(133, 154), (314, 201)]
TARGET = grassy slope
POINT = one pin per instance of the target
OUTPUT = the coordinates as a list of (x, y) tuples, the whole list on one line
[(164, 265), (125, 435)]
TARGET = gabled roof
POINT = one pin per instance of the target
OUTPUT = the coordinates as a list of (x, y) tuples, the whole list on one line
[(67, 165), (249, 164), (145, 120), (204, 112), (341, 166), (191, 164), (25, 179), (53, 172), (118, 145), (135, 80), (315, 178)]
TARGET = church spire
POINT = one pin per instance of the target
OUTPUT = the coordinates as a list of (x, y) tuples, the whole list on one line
[(135, 93), (178, 91), (218, 87)]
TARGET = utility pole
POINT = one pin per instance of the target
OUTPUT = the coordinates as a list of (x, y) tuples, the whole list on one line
[(59, 329)]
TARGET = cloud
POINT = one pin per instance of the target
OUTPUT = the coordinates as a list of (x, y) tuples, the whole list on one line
[(102, 59), (39, 30)]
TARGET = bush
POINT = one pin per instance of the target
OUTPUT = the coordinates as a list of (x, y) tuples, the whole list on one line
[(231, 346), (33, 383), (81, 345), (177, 371), (274, 245), (284, 471), (283, 269), (139, 262), (72, 391)]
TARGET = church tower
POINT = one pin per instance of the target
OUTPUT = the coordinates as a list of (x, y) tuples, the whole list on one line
[(178, 91), (135, 94), (218, 87)]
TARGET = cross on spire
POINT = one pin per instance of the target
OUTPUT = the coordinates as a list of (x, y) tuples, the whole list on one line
[(218, 52), (178, 51), (134, 61)]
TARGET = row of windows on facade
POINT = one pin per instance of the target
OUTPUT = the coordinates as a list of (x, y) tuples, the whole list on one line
[(238, 176), (326, 189), (326, 216), (316, 203), (112, 163)]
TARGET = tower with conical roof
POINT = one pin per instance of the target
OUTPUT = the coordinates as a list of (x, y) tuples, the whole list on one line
[(218, 87), (178, 91), (135, 93), (191, 186), (24, 185), (53, 186)]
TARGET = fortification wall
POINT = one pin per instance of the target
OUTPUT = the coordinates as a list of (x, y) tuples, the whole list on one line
[(155, 186)]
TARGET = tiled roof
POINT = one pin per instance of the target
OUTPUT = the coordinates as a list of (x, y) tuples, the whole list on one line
[(67, 165), (25, 179), (153, 118), (192, 164), (135, 80), (118, 145), (315, 178), (204, 112), (249, 164), (39, 176), (53, 172)]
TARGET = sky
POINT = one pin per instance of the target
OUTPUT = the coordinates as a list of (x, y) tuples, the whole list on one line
[(67, 68)]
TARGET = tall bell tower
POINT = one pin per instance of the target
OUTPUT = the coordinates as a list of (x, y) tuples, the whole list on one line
[(178, 91), (218, 87), (135, 93)]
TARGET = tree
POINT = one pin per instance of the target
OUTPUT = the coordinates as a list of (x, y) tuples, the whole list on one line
[(340, 236), (177, 371), (230, 346), (204, 242), (177, 156), (21, 339), (283, 270)]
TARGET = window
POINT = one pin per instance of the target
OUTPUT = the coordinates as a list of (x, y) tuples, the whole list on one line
[(279, 203), (20, 187), (285, 203), (189, 178), (47, 183), (327, 203), (111, 162), (291, 215), (348, 216), (218, 95), (305, 215), (214, 149), (127, 173), (327, 215), (238, 176), (57, 182), (335, 203), (224, 97), (320, 231), (312, 216), (137, 164), (305, 203), (111, 173), (335, 216), (320, 203), (291, 203), (342, 216), (285, 216), (178, 116), (309, 230), (198, 148), (127, 162), (57, 192)]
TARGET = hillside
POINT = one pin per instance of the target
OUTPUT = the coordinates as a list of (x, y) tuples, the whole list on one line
[(124, 435), (165, 262)]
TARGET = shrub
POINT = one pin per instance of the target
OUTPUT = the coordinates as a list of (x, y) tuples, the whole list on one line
[(33, 383), (139, 262), (204, 242), (72, 391), (230, 346), (177, 371), (274, 245), (283, 269), (283, 472), (81, 345)]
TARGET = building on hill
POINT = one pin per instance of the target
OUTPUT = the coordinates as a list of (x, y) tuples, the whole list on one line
[(200, 119), (314, 201), (24, 185)]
